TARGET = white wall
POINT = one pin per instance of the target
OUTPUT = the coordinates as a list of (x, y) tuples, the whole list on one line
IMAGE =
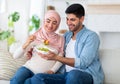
[(21, 27), (37, 7)]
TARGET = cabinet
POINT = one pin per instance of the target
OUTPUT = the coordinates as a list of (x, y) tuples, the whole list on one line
[(103, 17)]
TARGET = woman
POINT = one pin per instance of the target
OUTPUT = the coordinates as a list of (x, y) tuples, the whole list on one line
[(37, 64)]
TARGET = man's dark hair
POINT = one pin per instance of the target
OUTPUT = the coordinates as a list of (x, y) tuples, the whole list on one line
[(76, 9)]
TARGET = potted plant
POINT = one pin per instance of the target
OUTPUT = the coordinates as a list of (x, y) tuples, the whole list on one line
[(9, 34), (34, 24), (12, 18)]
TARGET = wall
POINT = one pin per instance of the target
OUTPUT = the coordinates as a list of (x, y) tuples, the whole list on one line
[(104, 18), (37, 7), (21, 27)]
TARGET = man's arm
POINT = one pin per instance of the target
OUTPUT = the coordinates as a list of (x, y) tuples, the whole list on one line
[(64, 60), (53, 56)]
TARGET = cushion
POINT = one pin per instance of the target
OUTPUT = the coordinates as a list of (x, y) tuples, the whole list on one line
[(8, 65), (110, 59), (3, 44), (14, 46)]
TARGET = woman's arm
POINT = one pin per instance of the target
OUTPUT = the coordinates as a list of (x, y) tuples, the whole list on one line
[(29, 40), (26, 46)]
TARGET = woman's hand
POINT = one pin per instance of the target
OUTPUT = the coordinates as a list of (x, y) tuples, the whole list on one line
[(29, 54), (49, 72), (29, 40)]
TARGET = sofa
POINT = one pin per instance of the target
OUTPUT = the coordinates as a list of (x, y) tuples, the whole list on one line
[(8, 65), (109, 59)]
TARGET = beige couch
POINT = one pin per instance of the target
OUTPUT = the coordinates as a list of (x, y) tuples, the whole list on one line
[(4, 82), (110, 59), (8, 65)]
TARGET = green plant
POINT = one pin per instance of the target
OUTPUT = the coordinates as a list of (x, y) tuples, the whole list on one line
[(34, 23), (14, 17), (4, 34), (9, 34)]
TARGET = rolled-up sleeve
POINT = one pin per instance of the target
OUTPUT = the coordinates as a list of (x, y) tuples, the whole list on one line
[(87, 50)]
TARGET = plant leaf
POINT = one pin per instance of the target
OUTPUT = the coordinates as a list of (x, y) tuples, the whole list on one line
[(4, 35), (11, 40)]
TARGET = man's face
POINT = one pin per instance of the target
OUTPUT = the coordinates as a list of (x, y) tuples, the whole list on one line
[(50, 24), (74, 23)]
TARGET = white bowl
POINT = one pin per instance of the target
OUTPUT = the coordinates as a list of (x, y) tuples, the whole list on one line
[(45, 49)]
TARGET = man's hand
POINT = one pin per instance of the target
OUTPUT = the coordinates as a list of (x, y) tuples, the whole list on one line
[(49, 56), (29, 40), (53, 56)]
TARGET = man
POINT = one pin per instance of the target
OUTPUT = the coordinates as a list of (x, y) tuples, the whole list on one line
[(81, 59)]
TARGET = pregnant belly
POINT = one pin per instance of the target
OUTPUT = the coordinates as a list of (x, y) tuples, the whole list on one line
[(39, 65)]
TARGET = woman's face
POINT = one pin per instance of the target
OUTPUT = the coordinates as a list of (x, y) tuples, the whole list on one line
[(50, 24)]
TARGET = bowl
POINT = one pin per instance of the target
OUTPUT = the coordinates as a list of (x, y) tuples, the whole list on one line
[(44, 49)]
